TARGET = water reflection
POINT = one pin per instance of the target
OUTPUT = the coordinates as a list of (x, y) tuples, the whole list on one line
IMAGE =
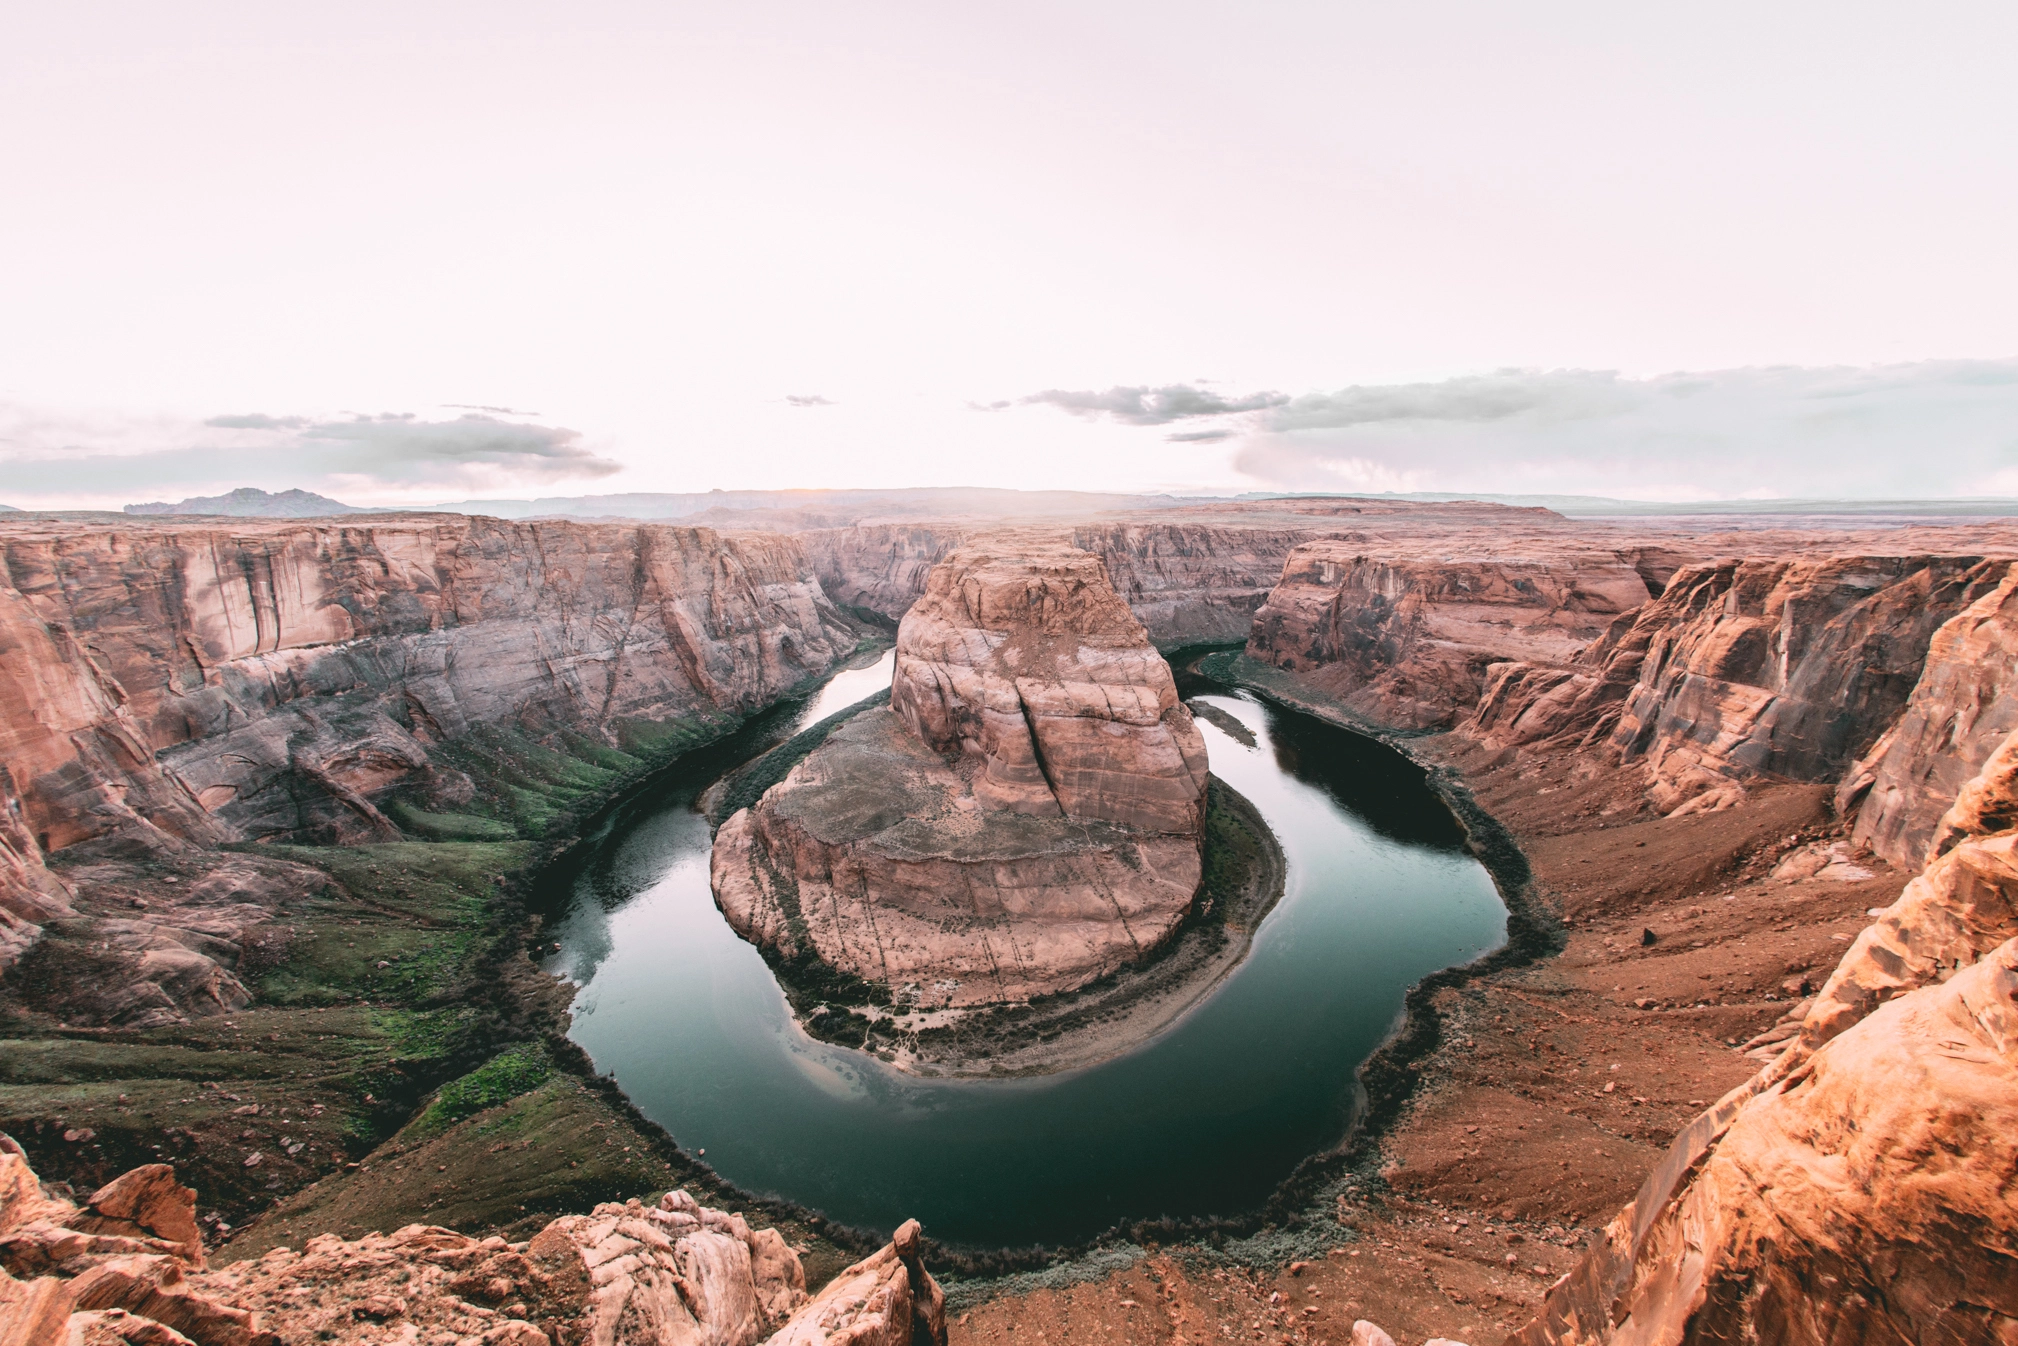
[(1207, 1117)]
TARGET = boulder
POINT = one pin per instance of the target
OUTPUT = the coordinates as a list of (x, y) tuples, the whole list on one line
[(887, 1299)]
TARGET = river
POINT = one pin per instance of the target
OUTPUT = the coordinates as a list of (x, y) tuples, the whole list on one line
[(1208, 1117)]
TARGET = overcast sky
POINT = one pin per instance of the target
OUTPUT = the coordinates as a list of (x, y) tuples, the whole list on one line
[(402, 252)]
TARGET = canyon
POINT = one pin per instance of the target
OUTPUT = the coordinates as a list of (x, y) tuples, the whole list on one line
[(267, 783)]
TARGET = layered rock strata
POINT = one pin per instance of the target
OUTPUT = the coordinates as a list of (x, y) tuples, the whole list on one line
[(1024, 817), (1785, 668), (1963, 707), (182, 685), (1407, 639), (129, 1268), (1193, 575)]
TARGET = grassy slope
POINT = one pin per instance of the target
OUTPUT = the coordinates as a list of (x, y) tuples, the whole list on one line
[(400, 1031)]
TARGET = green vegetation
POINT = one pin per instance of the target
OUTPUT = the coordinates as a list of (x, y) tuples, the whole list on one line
[(398, 1029), (498, 1080), (746, 785)]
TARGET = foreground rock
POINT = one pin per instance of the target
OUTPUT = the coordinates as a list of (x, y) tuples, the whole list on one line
[(129, 1268), (1857, 1188), (1025, 817)]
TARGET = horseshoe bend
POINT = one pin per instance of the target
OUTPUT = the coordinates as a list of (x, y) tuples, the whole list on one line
[(328, 844)]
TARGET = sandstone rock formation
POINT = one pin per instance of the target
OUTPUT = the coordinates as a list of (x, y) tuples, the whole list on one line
[(1025, 817), (1863, 1197), (888, 1299), (1031, 664), (1192, 575), (1780, 667), (182, 684), (1857, 1188), (1406, 639), (129, 1268), (1964, 706)]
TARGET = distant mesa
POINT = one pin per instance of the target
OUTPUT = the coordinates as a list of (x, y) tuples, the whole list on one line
[(8, 509), (249, 502)]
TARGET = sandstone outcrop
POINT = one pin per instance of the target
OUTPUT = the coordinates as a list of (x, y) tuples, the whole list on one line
[(1863, 1197), (1964, 706), (1405, 636), (1857, 1188), (1024, 817), (1783, 667), (129, 1268), (177, 685), (888, 1299)]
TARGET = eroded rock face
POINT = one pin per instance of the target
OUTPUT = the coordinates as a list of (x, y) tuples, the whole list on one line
[(1405, 639), (129, 1269), (1863, 1197), (1030, 662), (1963, 708), (1787, 666), (1025, 817), (169, 687), (888, 1299), (1857, 1188)]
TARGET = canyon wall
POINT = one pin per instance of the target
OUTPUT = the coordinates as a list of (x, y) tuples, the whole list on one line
[(1962, 709), (1405, 636), (1193, 575), (1787, 667), (188, 684)]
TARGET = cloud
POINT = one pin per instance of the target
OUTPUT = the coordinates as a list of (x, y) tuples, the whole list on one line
[(1154, 406), (256, 421), (809, 400), (1937, 428), (399, 447), (1200, 436), (393, 453)]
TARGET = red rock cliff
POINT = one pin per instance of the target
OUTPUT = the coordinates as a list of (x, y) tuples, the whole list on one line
[(204, 682)]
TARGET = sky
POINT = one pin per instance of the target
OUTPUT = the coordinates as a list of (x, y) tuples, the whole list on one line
[(399, 253)]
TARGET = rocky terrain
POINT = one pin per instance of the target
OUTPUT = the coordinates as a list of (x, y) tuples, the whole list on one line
[(165, 690), (1763, 806), (127, 1268), (1024, 817)]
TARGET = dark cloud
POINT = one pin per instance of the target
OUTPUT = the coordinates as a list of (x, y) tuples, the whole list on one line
[(808, 400), (1154, 406), (1200, 436), (257, 421)]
